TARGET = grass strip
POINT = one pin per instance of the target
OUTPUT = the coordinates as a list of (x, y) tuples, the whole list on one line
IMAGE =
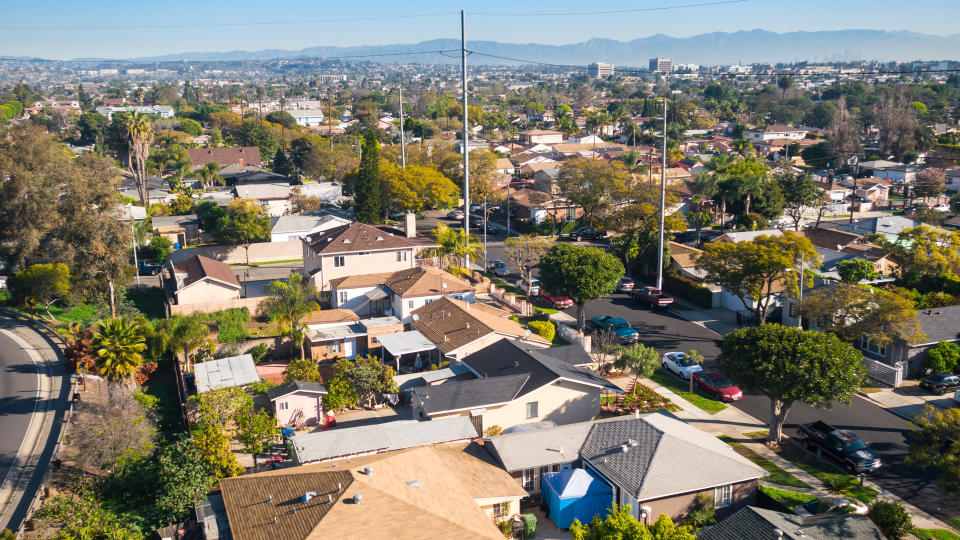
[(682, 389), (777, 475)]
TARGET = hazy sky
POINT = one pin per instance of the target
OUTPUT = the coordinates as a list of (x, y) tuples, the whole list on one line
[(68, 29)]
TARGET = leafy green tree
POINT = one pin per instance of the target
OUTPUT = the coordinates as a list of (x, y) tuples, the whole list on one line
[(643, 361), (751, 270), (526, 251), (944, 357), (580, 273), (182, 477), (926, 252), (209, 174), (856, 270), (789, 365), (303, 369), (370, 377), (160, 248), (244, 224), (340, 393), (281, 164), (218, 407), (214, 445), (190, 127), (254, 133), (367, 198), (619, 523), (854, 313), (937, 445), (892, 519), (289, 302), (45, 283), (283, 118), (800, 193), (256, 430), (119, 344), (784, 83), (592, 184)]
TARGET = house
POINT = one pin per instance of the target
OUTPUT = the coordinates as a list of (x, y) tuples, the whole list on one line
[(163, 111), (180, 230), (534, 206), (515, 385), (274, 198), (953, 180), (735, 237), (240, 175), (648, 461), (307, 117), (460, 328), (199, 280), (442, 491), (225, 373), (327, 192), (545, 181), (537, 164), (777, 131), (504, 166), (852, 243), (889, 226), (397, 293), (545, 136), (936, 324), (295, 227), (359, 248), (347, 338), (899, 174), (753, 522), (228, 155), (297, 403)]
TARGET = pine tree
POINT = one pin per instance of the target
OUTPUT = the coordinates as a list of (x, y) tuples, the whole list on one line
[(367, 200), (281, 164)]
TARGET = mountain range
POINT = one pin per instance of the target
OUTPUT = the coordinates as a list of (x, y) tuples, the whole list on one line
[(718, 48)]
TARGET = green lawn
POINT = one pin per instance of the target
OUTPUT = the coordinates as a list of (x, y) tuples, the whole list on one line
[(788, 498), (268, 263), (548, 311), (826, 472), (777, 475), (149, 301), (758, 435), (682, 389), (954, 522), (937, 534)]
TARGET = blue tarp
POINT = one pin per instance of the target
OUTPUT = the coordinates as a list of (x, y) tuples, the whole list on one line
[(575, 494)]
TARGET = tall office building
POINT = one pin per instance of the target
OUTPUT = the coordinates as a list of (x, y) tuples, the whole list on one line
[(600, 70), (661, 65)]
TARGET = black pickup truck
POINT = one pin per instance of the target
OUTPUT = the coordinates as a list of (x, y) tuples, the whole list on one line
[(841, 444)]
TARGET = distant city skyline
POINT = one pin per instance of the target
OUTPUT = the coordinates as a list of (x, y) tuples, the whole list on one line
[(66, 30)]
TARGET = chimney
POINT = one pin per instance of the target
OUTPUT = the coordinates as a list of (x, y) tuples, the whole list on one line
[(410, 222)]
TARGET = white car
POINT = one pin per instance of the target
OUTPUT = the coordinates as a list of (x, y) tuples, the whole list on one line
[(680, 364), (956, 398), (534, 286), (941, 208)]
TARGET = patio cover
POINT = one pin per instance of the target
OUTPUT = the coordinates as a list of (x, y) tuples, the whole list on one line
[(379, 293), (406, 343)]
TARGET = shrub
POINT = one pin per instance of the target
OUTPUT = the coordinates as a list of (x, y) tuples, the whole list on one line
[(492, 431), (230, 324), (160, 248), (544, 329), (258, 352), (688, 289), (260, 387), (943, 357), (891, 518)]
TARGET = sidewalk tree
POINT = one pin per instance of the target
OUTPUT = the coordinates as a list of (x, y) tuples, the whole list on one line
[(525, 251), (289, 302), (367, 190), (753, 271), (937, 445), (639, 359), (244, 224), (789, 365), (580, 273), (853, 313), (119, 345), (45, 283), (592, 184)]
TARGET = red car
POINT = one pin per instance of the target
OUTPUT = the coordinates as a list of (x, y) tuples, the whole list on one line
[(652, 296), (718, 386), (558, 302)]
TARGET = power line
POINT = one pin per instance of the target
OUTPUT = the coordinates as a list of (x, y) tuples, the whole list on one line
[(605, 12)]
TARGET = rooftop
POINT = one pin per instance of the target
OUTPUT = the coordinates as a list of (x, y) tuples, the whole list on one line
[(362, 237), (451, 324), (225, 373), (752, 522)]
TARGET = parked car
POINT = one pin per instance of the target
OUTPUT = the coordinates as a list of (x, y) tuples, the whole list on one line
[(145, 268), (941, 208), (680, 364), (956, 398), (624, 332), (716, 385), (838, 505), (558, 302), (625, 284), (842, 445), (652, 296), (587, 233), (940, 383), (534, 286), (455, 214), (498, 268)]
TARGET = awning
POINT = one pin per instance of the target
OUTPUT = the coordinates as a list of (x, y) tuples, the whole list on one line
[(406, 343), (378, 293)]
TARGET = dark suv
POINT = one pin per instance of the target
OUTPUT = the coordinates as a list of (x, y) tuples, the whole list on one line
[(940, 383), (587, 233)]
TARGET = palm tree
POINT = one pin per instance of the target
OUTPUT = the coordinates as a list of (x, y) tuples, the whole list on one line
[(137, 130), (289, 303), (210, 174), (139, 93), (456, 245), (704, 189), (118, 344), (785, 82), (182, 333)]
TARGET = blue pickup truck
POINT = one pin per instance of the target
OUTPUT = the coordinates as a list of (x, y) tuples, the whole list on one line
[(620, 327)]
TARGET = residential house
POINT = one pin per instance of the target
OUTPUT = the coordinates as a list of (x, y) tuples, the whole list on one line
[(776, 131), (753, 522), (546, 181), (460, 328), (853, 243), (936, 324), (683, 261), (545, 136), (515, 385), (727, 298), (534, 206), (295, 227), (328, 192), (297, 403), (241, 175), (274, 198), (735, 237), (162, 111), (234, 371), (899, 174), (442, 491), (397, 293), (228, 155), (648, 461), (953, 179), (181, 230), (889, 226), (504, 166), (359, 248), (537, 164), (307, 117), (328, 341), (199, 280)]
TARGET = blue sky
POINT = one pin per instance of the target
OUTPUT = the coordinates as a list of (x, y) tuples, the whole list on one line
[(68, 29)]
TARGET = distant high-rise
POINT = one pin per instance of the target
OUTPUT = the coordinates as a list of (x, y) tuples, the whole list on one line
[(661, 65), (599, 70)]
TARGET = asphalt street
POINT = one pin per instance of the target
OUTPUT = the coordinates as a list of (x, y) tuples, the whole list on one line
[(885, 432), (19, 385)]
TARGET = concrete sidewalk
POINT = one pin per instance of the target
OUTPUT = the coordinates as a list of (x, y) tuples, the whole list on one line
[(909, 400), (734, 423), (719, 320)]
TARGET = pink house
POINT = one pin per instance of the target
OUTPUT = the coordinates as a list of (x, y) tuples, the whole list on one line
[(297, 403)]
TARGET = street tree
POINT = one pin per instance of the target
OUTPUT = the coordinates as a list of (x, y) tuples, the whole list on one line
[(416, 187), (580, 273), (639, 359), (592, 184), (367, 199), (525, 251), (853, 313), (44, 283), (639, 222), (800, 193), (936, 445), (119, 345), (289, 302), (892, 519), (244, 224), (789, 365), (753, 271)]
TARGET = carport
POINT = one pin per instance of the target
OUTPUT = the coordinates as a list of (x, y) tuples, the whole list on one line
[(413, 345)]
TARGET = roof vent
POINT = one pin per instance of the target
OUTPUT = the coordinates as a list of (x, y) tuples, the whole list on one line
[(368, 471), (624, 448), (339, 487), (778, 533), (632, 443), (357, 498), (274, 520), (269, 499), (346, 240), (379, 239), (414, 484), (801, 533), (307, 496), (329, 498)]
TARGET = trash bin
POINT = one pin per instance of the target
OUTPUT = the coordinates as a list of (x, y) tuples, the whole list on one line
[(530, 525)]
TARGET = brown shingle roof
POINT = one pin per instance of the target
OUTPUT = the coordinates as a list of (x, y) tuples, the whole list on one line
[(247, 155), (451, 324), (407, 283), (532, 198), (363, 237), (331, 316), (683, 254), (830, 238), (199, 267)]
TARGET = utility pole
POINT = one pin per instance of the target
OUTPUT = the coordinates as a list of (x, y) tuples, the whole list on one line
[(133, 231), (856, 172), (466, 150), (329, 120), (283, 145), (403, 142), (663, 198)]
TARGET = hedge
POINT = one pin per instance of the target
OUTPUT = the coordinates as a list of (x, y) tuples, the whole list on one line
[(544, 329), (688, 289)]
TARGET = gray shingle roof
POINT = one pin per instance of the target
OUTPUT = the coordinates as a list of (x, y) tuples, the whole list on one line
[(295, 386), (539, 447), (751, 522), (460, 395), (940, 324)]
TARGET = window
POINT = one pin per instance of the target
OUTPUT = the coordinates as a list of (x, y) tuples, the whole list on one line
[(723, 496), (284, 405), (339, 261), (342, 297), (361, 253), (410, 304), (500, 510), (529, 475), (401, 256), (532, 409), (334, 346), (869, 346)]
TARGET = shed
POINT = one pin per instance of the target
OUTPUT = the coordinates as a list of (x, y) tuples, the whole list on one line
[(225, 373), (575, 494)]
